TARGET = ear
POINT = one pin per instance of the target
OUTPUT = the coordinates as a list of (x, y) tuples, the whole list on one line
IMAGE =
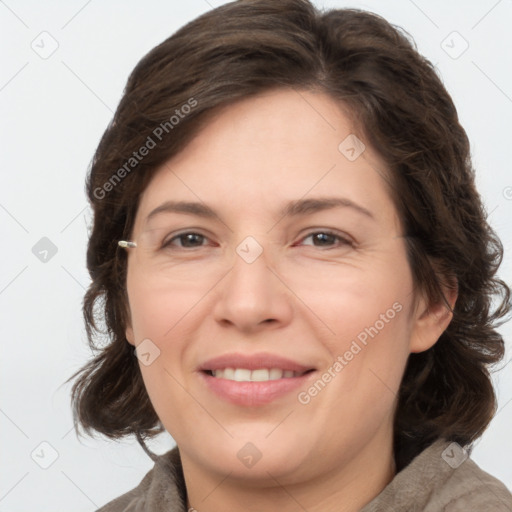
[(431, 320), (129, 335)]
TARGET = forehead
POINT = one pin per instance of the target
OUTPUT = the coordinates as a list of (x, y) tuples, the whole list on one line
[(257, 154)]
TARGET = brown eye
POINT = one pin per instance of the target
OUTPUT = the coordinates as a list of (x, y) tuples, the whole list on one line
[(327, 239), (187, 240)]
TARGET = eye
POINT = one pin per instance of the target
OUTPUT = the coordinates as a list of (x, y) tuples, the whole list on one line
[(328, 239), (324, 238), (188, 240)]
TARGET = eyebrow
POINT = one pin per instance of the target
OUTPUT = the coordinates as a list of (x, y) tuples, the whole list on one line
[(293, 208)]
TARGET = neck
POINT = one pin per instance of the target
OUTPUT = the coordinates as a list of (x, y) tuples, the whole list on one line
[(344, 488)]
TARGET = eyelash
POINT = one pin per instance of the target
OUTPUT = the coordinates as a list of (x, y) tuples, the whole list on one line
[(344, 241)]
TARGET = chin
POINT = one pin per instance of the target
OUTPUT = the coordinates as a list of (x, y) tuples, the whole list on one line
[(253, 458)]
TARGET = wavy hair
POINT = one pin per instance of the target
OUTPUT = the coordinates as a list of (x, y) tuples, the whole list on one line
[(394, 95)]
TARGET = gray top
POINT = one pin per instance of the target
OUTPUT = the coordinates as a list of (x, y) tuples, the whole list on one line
[(439, 479)]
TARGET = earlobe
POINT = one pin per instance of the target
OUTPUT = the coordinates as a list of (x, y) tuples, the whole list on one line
[(431, 321), (129, 335)]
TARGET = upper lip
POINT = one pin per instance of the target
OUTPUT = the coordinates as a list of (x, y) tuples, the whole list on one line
[(253, 362)]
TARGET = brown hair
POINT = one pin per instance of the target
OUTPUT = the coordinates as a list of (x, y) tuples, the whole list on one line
[(373, 69)]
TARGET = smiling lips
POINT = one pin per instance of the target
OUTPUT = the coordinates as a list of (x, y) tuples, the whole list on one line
[(251, 380), (259, 375)]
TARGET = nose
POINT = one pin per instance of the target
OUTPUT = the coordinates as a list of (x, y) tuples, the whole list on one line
[(253, 297)]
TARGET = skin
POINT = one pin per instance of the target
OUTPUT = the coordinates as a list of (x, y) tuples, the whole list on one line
[(299, 299)]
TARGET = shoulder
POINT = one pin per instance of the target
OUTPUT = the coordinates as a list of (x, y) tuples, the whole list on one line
[(442, 478), (161, 489), (468, 487), (132, 501)]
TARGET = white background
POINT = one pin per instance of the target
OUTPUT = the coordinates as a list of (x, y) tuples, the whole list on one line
[(54, 112)]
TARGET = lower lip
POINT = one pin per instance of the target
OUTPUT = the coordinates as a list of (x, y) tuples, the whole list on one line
[(251, 394)]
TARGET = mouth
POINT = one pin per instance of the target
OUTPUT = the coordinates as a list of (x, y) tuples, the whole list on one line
[(254, 380), (257, 375)]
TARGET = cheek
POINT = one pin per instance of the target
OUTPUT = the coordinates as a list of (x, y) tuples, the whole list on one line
[(371, 347), (364, 366), (164, 315), (367, 322), (160, 309)]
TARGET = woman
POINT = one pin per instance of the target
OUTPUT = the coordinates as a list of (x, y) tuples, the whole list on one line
[(295, 270)]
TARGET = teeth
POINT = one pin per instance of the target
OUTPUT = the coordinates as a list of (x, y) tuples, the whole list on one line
[(229, 373), (275, 373), (241, 375), (259, 375)]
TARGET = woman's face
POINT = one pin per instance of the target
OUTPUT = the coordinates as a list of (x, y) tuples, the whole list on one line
[(297, 292)]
